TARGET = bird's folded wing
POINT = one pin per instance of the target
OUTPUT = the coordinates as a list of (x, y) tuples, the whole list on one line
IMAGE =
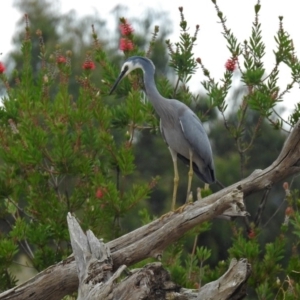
[(195, 134)]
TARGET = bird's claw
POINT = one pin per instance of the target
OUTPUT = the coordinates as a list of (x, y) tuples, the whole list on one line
[(166, 215), (179, 210), (182, 208)]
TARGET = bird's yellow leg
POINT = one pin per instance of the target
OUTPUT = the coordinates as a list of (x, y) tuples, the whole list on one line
[(190, 176), (176, 179), (189, 197)]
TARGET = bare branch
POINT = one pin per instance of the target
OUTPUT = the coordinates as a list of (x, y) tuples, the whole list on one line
[(231, 285)]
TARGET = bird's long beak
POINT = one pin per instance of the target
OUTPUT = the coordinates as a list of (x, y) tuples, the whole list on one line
[(117, 81)]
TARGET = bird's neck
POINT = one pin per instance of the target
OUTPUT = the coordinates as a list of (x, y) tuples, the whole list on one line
[(157, 100)]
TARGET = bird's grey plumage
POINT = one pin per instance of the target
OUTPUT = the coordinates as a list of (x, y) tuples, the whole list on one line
[(180, 127)]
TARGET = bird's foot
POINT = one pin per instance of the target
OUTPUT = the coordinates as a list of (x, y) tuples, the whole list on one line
[(179, 210), (166, 215), (182, 208), (189, 200)]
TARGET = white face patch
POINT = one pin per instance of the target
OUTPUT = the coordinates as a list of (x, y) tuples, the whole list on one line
[(134, 63), (130, 66)]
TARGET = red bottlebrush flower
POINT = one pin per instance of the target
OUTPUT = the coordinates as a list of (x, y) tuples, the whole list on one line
[(251, 234), (99, 193), (126, 29), (61, 60), (289, 211), (88, 65), (126, 45), (231, 64), (2, 68)]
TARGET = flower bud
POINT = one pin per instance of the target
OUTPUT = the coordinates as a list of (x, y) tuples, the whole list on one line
[(2, 68)]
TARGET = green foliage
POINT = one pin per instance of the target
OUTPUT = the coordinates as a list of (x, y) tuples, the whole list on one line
[(57, 152), (182, 60), (261, 93), (8, 249)]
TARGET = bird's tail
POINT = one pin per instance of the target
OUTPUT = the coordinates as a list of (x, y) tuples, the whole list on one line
[(220, 184), (206, 174)]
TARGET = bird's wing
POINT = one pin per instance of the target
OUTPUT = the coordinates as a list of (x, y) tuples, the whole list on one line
[(195, 134)]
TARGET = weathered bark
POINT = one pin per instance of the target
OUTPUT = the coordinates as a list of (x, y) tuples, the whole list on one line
[(232, 285), (150, 240), (94, 263), (97, 281)]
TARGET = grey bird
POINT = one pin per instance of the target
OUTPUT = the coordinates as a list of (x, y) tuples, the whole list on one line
[(180, 127)]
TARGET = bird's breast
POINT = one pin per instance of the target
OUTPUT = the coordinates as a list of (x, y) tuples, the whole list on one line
[(175, 139)]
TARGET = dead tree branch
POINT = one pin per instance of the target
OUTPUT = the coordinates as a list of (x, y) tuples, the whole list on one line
[(98, 281), (232, 285)]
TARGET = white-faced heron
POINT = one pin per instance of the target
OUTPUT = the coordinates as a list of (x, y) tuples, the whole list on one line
[(180, 127)]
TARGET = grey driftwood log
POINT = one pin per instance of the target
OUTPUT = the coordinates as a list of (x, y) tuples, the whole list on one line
[(150, 240), (98, 280)]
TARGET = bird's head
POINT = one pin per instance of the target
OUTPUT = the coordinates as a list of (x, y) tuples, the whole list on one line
[(131, 64)]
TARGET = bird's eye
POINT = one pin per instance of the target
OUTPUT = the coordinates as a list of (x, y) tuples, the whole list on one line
[(124, 70)]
